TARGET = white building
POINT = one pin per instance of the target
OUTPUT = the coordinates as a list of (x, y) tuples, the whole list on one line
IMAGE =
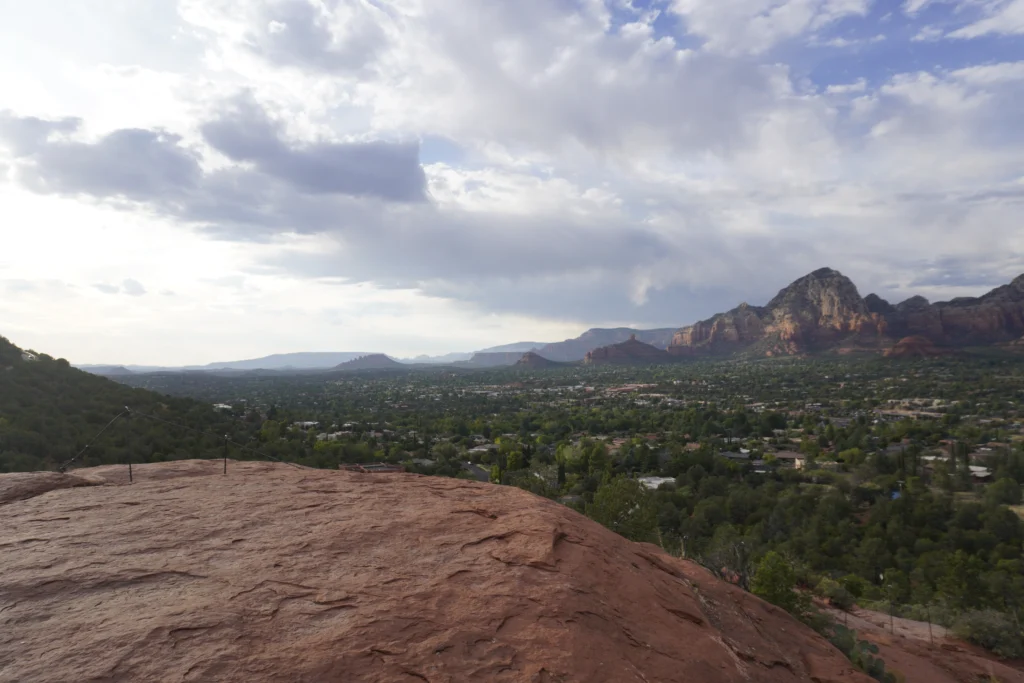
[(654, 483)]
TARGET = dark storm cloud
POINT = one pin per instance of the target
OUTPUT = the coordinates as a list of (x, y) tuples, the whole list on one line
[(378, 169), (299, 33)]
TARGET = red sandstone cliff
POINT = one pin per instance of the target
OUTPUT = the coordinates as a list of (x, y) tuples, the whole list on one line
[(823, 311)]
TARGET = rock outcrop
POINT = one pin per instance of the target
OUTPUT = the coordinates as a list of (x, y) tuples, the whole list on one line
[(536, 362), (630, 352), (572, 350), (915, 347), (274, 573), (823, 311)]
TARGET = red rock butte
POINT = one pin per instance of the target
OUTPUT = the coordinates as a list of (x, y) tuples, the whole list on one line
[(276, 573)]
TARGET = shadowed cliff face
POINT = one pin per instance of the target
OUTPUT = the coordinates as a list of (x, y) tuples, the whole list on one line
[(273, 573), (824, 311)]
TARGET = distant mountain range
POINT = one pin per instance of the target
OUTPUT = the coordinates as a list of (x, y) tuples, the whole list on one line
[(308, 360), (820, 312)]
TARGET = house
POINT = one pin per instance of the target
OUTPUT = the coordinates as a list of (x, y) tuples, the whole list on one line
[(735, 457), (305, 425), (486, 448), (791, 459), (654, 483), (980, 474), (29, 357), (221, 406)]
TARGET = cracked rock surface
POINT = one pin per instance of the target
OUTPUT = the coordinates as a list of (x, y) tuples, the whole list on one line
[(275, 573)]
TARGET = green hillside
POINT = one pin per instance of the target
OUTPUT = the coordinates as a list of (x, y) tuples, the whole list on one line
[(49, 411)]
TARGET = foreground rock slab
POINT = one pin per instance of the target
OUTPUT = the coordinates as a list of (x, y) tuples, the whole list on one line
[(275, 573)]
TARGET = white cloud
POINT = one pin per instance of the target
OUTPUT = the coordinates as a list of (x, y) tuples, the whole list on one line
[(858, 86), (754, 26), (1003, 17), (928, 34)]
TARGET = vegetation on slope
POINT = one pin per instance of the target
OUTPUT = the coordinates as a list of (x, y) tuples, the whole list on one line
[(50, 411)]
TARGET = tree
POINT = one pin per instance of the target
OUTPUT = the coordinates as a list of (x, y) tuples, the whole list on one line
[(627, 508), (1006, 491), (775, 581)]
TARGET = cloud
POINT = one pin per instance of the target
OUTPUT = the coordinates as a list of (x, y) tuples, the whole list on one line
[(336, 37), (756, 26), (108, 289), (858, 86), (915, 6), (26, 134), (245, 133), (133, 288), (1001, 18), (130, 163), (128, 287), (154, 165)]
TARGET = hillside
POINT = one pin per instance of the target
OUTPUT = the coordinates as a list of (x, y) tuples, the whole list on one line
[(283, 574), (537, 362), (373, 361), (491, 360), (49, 411), (630, 352), (572, 350), (823, 311)]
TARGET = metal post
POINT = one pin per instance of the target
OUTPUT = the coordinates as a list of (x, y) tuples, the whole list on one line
[(129, 421), (928, 609), (225, 454)]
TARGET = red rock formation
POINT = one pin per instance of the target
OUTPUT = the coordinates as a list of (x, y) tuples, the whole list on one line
[(274, 573), (915, 347), (823, 311), (628, 352)]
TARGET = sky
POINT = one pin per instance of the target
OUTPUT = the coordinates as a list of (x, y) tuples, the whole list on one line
[(204, 180)]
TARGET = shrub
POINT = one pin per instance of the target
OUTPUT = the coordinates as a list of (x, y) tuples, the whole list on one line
[(835, 593), (992, 630)]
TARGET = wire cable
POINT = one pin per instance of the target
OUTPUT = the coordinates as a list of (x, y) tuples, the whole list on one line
[(209, 433), (64, 467)]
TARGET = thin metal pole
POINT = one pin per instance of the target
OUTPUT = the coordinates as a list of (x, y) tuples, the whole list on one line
[(131, 443), (225, 454), (931, 642)]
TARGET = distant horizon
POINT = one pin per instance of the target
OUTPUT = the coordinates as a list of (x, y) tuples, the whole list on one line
[(411, 357)]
